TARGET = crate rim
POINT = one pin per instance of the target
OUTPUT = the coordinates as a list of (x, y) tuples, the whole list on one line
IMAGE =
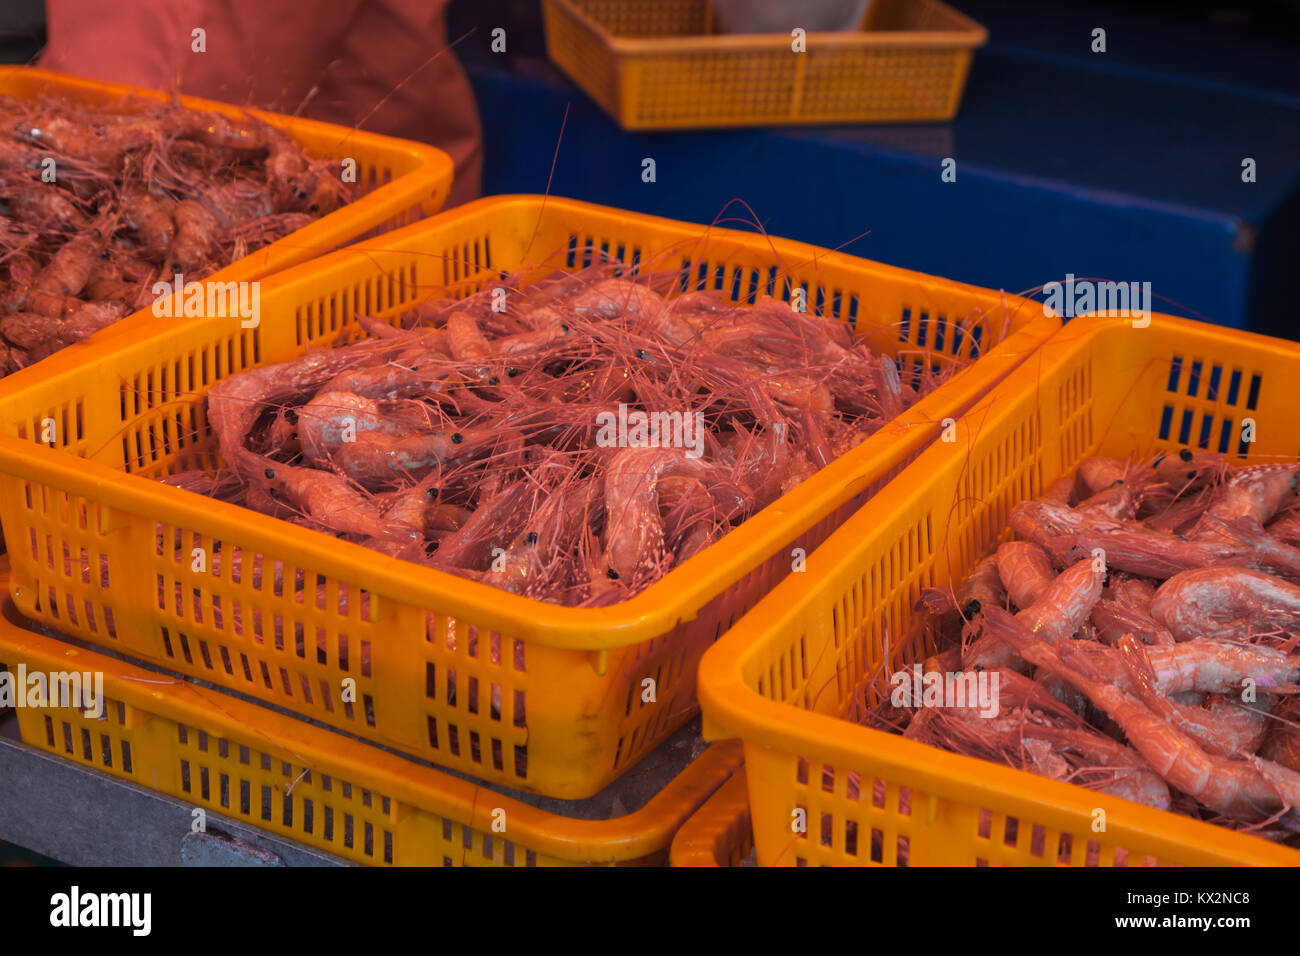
[(628, 837), (700, 839), (971, 36), (675, 598), (734, 709)]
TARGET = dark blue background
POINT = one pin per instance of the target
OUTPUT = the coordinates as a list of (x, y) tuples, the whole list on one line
[(1124, 165)]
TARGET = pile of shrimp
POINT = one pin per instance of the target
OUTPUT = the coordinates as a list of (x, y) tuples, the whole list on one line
[(97, 206), (475, 436), (1143, 624)]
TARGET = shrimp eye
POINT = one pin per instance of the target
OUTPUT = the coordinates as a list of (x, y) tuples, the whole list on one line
[(642, 354), (457, 438), (117, 182), (431, 493), (1182, 537), (494, 380), (563, 327), (291, 416), (512, 372), (269, 473), (1191, 476), (973, 607), (302, 194), (104, 254), (532, 537), (1185, 454), (612, 574)]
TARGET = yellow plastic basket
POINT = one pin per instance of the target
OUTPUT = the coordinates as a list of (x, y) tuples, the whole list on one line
[(783, 676), (320, 788), (572, 712), (398, 181), (658, 66), (719, 832)]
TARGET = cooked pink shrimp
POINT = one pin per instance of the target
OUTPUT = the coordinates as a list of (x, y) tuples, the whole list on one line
[(1146, 553), (1062, 691), (756, 470), (982, 587), (376, 460), (634, 534), (420, 371), (1062, 609), (1065, 603), (1113, 620), (1115, 502), (889, 387), (332, 502), (1015, 690), (1178, 515), (801, 391), (685, 503), (1060, 492), (1231, 787), (1189, 469), (1221, 728), (1040, 520), (410, 507), (236, 403), (69, 269), (1053, 744), (465, 340), (334, 418), (1225, 602), (1132, 777), (1220, 667), (1026, 571), (521, 345), (1097, 474), (547, 538), (1135, 593), (611, 298), (1255, 492), (493, 524)]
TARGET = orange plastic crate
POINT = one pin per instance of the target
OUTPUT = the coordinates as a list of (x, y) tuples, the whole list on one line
[(398, 182), (571, 714), (323, 789), (783, 676), (719, 832), (658, 66)]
